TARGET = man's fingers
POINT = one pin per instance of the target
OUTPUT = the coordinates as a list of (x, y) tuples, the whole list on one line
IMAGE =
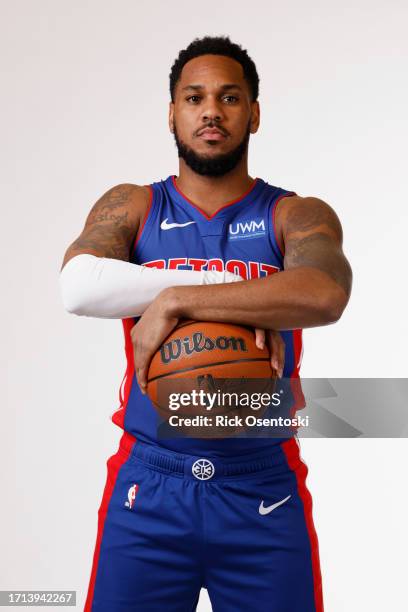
[(281, 356), (260, 338), (274, 352), (140, 361), (277, 348), (142, 379)]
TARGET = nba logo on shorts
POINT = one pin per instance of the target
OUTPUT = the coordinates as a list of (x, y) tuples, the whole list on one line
[(132, 496)]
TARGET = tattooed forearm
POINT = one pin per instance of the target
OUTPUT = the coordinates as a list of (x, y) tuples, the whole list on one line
[(313, 238)]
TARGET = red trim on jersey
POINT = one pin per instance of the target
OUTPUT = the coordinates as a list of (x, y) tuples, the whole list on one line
[(289, 194), (208, 217), (141, 228), (299, 468), (118, 417), (114, 464)]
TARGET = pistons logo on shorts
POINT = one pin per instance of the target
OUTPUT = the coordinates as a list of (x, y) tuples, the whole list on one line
[(132, 496)]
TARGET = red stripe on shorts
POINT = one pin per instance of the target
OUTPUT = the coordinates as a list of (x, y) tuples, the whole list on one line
[(291, 450), (113, 464)]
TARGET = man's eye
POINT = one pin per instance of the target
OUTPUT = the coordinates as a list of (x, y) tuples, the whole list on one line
[(193, 98), (231, 98)]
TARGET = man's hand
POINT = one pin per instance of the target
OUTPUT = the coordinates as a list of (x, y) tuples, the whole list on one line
[(156, 324), (276, 347), (148, 334)]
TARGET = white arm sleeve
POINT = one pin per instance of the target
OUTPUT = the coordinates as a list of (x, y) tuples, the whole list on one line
[(114, 289)]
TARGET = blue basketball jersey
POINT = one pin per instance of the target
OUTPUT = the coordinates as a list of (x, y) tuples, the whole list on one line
[(176, 235)]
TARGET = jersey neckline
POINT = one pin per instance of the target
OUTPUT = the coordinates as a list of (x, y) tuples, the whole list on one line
[(183, 199)]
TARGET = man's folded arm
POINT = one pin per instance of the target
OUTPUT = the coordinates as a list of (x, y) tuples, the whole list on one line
[(112, 289), (97, 279), (312, 290)]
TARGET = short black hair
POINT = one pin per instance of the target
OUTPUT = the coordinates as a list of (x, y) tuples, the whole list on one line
[(216, 45)]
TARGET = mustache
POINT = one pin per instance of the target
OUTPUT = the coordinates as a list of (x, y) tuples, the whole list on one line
[(209, 125)]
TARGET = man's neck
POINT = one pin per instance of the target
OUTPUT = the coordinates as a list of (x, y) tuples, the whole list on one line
[(211, 193)]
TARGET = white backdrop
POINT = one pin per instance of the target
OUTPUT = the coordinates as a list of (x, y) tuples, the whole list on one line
[(84, 106)]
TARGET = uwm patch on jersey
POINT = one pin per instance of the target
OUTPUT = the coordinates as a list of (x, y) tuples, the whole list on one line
[(247, 228), (177, 235)]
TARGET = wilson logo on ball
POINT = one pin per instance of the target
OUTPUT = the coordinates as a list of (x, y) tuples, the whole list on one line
[(197, 343)]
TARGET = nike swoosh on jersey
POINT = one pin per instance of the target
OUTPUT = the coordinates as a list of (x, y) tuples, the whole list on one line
[(166, 226), (267, 509)]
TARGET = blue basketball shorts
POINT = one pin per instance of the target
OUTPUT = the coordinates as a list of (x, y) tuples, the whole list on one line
[(170, 524)]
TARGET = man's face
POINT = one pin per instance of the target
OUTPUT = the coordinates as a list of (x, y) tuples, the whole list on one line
[(212, 114)]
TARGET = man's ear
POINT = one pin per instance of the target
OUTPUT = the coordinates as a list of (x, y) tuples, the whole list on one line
[(255, 116), (171, 117)]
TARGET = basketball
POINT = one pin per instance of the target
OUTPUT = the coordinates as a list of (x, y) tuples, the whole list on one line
[(209, 356)]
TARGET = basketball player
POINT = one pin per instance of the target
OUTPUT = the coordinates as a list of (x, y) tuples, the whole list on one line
[(212, 244)]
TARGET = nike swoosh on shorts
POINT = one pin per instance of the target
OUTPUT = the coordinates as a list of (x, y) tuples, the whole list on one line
[(267, 509)]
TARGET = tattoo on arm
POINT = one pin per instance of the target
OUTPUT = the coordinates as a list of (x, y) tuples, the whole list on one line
[(109, 229), (313, 238)]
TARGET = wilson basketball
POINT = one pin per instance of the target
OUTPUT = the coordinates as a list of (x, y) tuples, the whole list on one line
[(210, 356)]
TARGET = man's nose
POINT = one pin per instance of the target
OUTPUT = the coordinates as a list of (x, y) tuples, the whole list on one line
[(212, 111)]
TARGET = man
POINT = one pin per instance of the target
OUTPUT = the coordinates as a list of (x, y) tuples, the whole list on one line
[(244, 530)]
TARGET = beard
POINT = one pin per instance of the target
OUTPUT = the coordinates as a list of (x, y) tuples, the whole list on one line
[(216, 165)]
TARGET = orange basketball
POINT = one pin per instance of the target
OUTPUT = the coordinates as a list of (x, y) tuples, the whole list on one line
[(198, 354)]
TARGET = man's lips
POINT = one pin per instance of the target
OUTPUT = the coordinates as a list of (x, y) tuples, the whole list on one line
[(211, 134)]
